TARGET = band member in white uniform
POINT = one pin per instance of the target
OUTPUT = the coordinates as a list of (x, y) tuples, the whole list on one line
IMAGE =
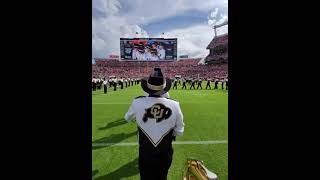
[(159, 121)]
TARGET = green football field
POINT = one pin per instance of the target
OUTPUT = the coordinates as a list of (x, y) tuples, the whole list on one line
[(114, 149)]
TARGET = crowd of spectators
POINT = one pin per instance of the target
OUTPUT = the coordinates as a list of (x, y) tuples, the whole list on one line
[(189, 68)]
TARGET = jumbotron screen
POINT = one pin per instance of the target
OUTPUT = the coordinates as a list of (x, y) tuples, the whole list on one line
[(148, 49)]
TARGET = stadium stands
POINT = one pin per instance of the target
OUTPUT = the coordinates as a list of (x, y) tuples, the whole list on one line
[(218, 50), (216, 64), (186, 68)]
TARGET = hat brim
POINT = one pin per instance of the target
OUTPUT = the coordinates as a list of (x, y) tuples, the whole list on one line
[(145, 88)]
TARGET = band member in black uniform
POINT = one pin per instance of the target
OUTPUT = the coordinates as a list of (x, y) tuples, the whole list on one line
[(121, 83), (192, 84), (208, 83), (159, 121), (184, 83), (105, 85), (199, 83), (216, 84), (115, 85), (222, 83), (129, 82), (175, 83), (126, 82), (132, 82)]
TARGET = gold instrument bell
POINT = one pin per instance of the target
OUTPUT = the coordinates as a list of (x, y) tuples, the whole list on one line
[(195, 170)]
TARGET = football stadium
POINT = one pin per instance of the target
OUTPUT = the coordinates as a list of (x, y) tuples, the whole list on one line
[(115, 146)]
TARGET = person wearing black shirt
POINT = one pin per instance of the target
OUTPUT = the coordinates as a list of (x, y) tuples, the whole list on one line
[(121, 83), (175, 84), (192, 84), (115, 85), (216, 84), (184, 84), (222, 82), (208, 83), (199, 84)]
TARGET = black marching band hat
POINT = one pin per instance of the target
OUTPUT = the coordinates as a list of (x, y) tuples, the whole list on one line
[(156, 84)]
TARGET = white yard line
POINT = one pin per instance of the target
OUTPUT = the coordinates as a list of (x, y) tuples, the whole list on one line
[(175, 143)]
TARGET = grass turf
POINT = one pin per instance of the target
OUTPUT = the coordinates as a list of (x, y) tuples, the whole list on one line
[(205, 116)]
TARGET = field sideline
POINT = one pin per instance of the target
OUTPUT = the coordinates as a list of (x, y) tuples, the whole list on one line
[(115, 149)]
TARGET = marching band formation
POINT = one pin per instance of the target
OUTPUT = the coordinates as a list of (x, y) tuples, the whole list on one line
[(121, 83)]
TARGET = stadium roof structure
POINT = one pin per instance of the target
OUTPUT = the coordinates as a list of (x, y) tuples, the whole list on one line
[(218, 40)]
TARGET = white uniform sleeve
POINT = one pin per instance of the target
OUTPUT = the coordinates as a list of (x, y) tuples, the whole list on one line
[(130, 115), (179, 127)]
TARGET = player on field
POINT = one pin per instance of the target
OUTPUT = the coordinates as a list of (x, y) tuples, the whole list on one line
[(159, 121)]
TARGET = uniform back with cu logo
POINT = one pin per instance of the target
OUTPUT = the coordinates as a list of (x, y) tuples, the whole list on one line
[(157, 111)]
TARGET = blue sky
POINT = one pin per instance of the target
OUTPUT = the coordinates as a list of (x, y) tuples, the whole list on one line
[(188, 20)]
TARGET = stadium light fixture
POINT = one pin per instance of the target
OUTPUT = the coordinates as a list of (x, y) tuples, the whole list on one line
[(217, 26)]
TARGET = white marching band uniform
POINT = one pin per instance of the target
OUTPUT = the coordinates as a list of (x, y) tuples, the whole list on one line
[(173, 122)]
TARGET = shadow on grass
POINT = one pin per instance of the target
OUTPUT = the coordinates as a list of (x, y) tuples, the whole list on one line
[(115, 123), (114, 138), (126, 171), (94, 172)]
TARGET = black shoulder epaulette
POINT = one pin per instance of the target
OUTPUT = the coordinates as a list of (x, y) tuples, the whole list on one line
[(171, 99), (139, 97)]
